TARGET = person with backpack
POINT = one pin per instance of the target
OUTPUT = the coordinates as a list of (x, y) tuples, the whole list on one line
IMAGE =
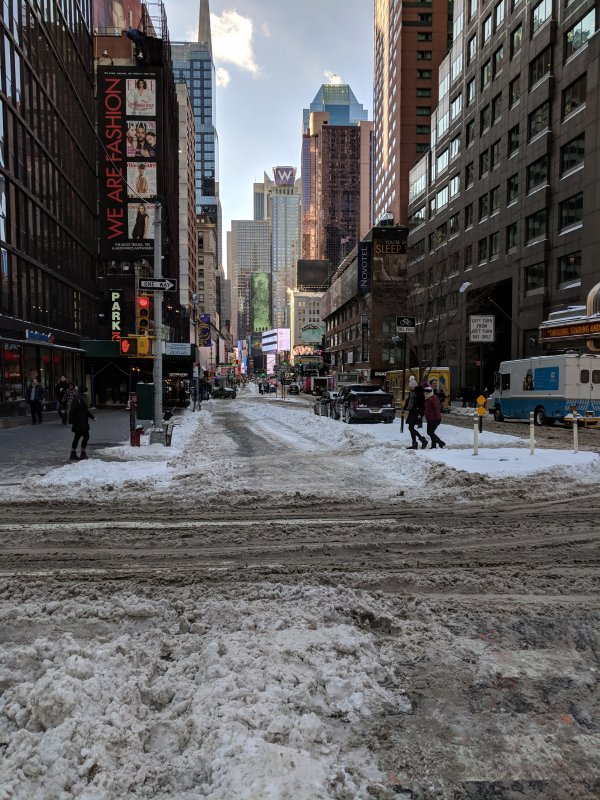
[(79, 419)]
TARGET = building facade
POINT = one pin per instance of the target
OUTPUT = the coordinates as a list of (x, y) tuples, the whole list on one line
[(250, 252), (411, 39), (188, 240), (48, 218), (508, 188)]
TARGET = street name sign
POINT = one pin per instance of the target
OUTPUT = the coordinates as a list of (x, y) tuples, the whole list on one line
[(406, 324), (481, 328), (157, 284)]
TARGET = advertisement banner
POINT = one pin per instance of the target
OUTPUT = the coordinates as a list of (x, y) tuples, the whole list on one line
[(364, 330), (261, 302), (130, 126), (204, 339), (364, 267)]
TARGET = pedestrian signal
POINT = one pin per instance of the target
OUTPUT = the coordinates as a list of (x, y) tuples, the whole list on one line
[(143, 314), (143, 345), (129, 346)]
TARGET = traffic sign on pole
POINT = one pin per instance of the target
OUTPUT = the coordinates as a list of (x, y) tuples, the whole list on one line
[(157, 284), (406, 324)]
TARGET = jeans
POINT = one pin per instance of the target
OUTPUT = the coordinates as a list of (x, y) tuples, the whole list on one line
[(431, 432), (413, 433), (84, 440), (35, 406)]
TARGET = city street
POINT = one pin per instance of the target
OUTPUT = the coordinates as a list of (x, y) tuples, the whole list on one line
[(299, 606)]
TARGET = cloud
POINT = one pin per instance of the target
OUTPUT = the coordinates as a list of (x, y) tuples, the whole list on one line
[(232, 40), (223, 77), (333, 78)]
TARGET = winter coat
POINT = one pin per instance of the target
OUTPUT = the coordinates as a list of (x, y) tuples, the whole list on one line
[(79, 414), (36, 392), (59, 391), (433, 409), (415, 405)]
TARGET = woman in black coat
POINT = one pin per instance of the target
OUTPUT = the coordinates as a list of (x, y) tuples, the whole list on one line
[(415, 405), (79, 417)]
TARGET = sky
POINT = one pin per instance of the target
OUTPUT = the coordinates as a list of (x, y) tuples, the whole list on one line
[(272, 56)]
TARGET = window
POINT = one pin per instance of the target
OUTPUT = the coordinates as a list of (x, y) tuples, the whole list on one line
[(442, 125), (484, 118), (469, 172), (457, 66), (468, 256), (540, 66), (513, 140), (423, 36), (455, 186), (455, 147), (423, 55), (512, 188), (484, 163), (423, 74), (417, 218), (484, 206), (514, 91), (571, 211), (423, 111), (495, 154), (471, 49), (486, 28), (441, 198), (423, 130), (442, 161), (472, 8), (578, 35), (539, 120), (569, 267), (454, 222), (499, 13), (536, 225), (537, 173), (486, 73), (444, 87), (574, 95), (494, 199), (498, 60), (511, 236), (470, 132), (496, 107), (423, 92), (482, 250), (535, 276), (456, 107), (494, 244), (468, 215), (516, 39), (425, 19), (540, 14), (571, 155), (471, 91)]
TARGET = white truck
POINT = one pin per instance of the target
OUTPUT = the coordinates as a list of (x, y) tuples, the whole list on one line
[(550, 386)]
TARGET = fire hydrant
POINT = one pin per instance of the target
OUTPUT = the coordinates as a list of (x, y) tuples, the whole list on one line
[(136, 434)]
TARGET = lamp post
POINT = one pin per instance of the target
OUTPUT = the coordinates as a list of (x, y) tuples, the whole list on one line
[(196, 352), (157, 434)]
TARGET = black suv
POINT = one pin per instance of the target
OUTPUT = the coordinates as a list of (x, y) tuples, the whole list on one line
[(344, 390), (361, 402)]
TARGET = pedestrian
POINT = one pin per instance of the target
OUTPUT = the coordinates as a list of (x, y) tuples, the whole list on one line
[(35, 395), (68, 396), (59, 393), (79, 419), (415, 405), (433, 415), (438, 391)]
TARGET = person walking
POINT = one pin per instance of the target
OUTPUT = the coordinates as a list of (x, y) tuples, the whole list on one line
[(433, 415), (415, 405), (79, 418), (59, 393), (35, 395)]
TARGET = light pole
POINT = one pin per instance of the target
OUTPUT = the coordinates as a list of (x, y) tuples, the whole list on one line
[(157, 434), (196, 352)]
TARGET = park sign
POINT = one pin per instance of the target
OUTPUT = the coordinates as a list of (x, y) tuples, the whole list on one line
[(482, 328)]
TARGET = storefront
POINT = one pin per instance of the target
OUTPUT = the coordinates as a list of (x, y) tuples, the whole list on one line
[(38, 356)]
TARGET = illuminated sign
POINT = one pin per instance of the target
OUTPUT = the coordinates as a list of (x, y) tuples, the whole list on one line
[(569, 331), (284, 176), (115, 316), (364, 267)]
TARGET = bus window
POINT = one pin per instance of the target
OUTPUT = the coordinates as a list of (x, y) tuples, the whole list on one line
[(506, 380), (596, 376), (584, 376)]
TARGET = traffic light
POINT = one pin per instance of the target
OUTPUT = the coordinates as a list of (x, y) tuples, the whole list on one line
[(129, 346), (143, 315), (143, 346)]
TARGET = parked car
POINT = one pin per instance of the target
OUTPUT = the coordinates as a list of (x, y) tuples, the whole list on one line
[(351, 387), (323, 406), (225, 391), (365, 403), (293, 388)]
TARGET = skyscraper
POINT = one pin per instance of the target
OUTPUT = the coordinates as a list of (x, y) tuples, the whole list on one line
[(250, 252), (411, 39)]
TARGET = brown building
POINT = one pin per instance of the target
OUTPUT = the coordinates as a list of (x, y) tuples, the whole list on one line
[(411, 39), (509, 188)]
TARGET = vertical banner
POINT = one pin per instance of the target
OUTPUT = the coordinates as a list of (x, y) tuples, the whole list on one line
[(130, 129), (364, 267), (204, 339), (364, 329)]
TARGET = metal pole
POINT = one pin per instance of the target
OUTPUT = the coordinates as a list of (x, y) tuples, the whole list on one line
[(475, 435), (403, 381), (575, 434), (531, 434), (158, 433)]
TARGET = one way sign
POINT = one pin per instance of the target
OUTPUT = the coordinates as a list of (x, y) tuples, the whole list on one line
[(157, 285)]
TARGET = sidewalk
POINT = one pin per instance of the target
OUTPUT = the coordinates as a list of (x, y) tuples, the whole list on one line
[(36, 449)]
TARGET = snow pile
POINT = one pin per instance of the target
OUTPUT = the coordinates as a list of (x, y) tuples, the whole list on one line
[(264, 696)]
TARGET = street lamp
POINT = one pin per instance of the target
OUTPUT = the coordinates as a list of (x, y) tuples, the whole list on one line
[(196, 353)]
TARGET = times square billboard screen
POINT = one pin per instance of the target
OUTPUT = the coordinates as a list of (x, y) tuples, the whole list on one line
[(130, 129)]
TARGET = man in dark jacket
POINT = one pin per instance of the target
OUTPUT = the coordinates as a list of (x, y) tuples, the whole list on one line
[(79, 417), (415, 405), (59, 394), (433, 415), (35, 395)]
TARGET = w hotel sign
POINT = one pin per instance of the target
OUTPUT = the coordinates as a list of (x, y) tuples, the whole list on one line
[(284, 176)]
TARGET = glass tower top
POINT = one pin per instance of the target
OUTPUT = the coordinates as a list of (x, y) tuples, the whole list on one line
[(339, 100)]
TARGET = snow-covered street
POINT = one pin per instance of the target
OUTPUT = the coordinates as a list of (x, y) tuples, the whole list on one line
[(284, 606)]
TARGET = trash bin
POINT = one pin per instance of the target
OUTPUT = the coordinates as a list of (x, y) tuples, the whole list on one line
[(168, 427), (145, 400)]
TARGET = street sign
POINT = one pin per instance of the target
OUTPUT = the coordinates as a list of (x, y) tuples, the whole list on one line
[(406, 324), (157, 284), (481, 410), (482, 327)]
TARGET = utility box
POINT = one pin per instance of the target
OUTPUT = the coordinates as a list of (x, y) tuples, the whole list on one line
[(145, 400)]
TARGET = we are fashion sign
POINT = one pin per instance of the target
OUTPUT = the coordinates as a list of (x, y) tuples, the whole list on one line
[(130, 128)]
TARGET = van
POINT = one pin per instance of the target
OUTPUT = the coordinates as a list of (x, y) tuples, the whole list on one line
[(549, 386)]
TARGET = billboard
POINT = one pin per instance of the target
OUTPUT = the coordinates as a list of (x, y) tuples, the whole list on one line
[(364, 268), (276, 340), (313, 273), (130, 128), (204, 339), (261, 301), (284, 176)]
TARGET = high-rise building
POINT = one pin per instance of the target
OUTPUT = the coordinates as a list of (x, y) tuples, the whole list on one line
[(411, 39), (508, 192), (188, 252), (193, 65), (278, 201), (336, 186), (250, 252), (48, 217)]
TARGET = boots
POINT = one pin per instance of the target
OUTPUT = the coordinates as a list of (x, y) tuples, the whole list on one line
[(73, 456), (82, 455), (424, 443)]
